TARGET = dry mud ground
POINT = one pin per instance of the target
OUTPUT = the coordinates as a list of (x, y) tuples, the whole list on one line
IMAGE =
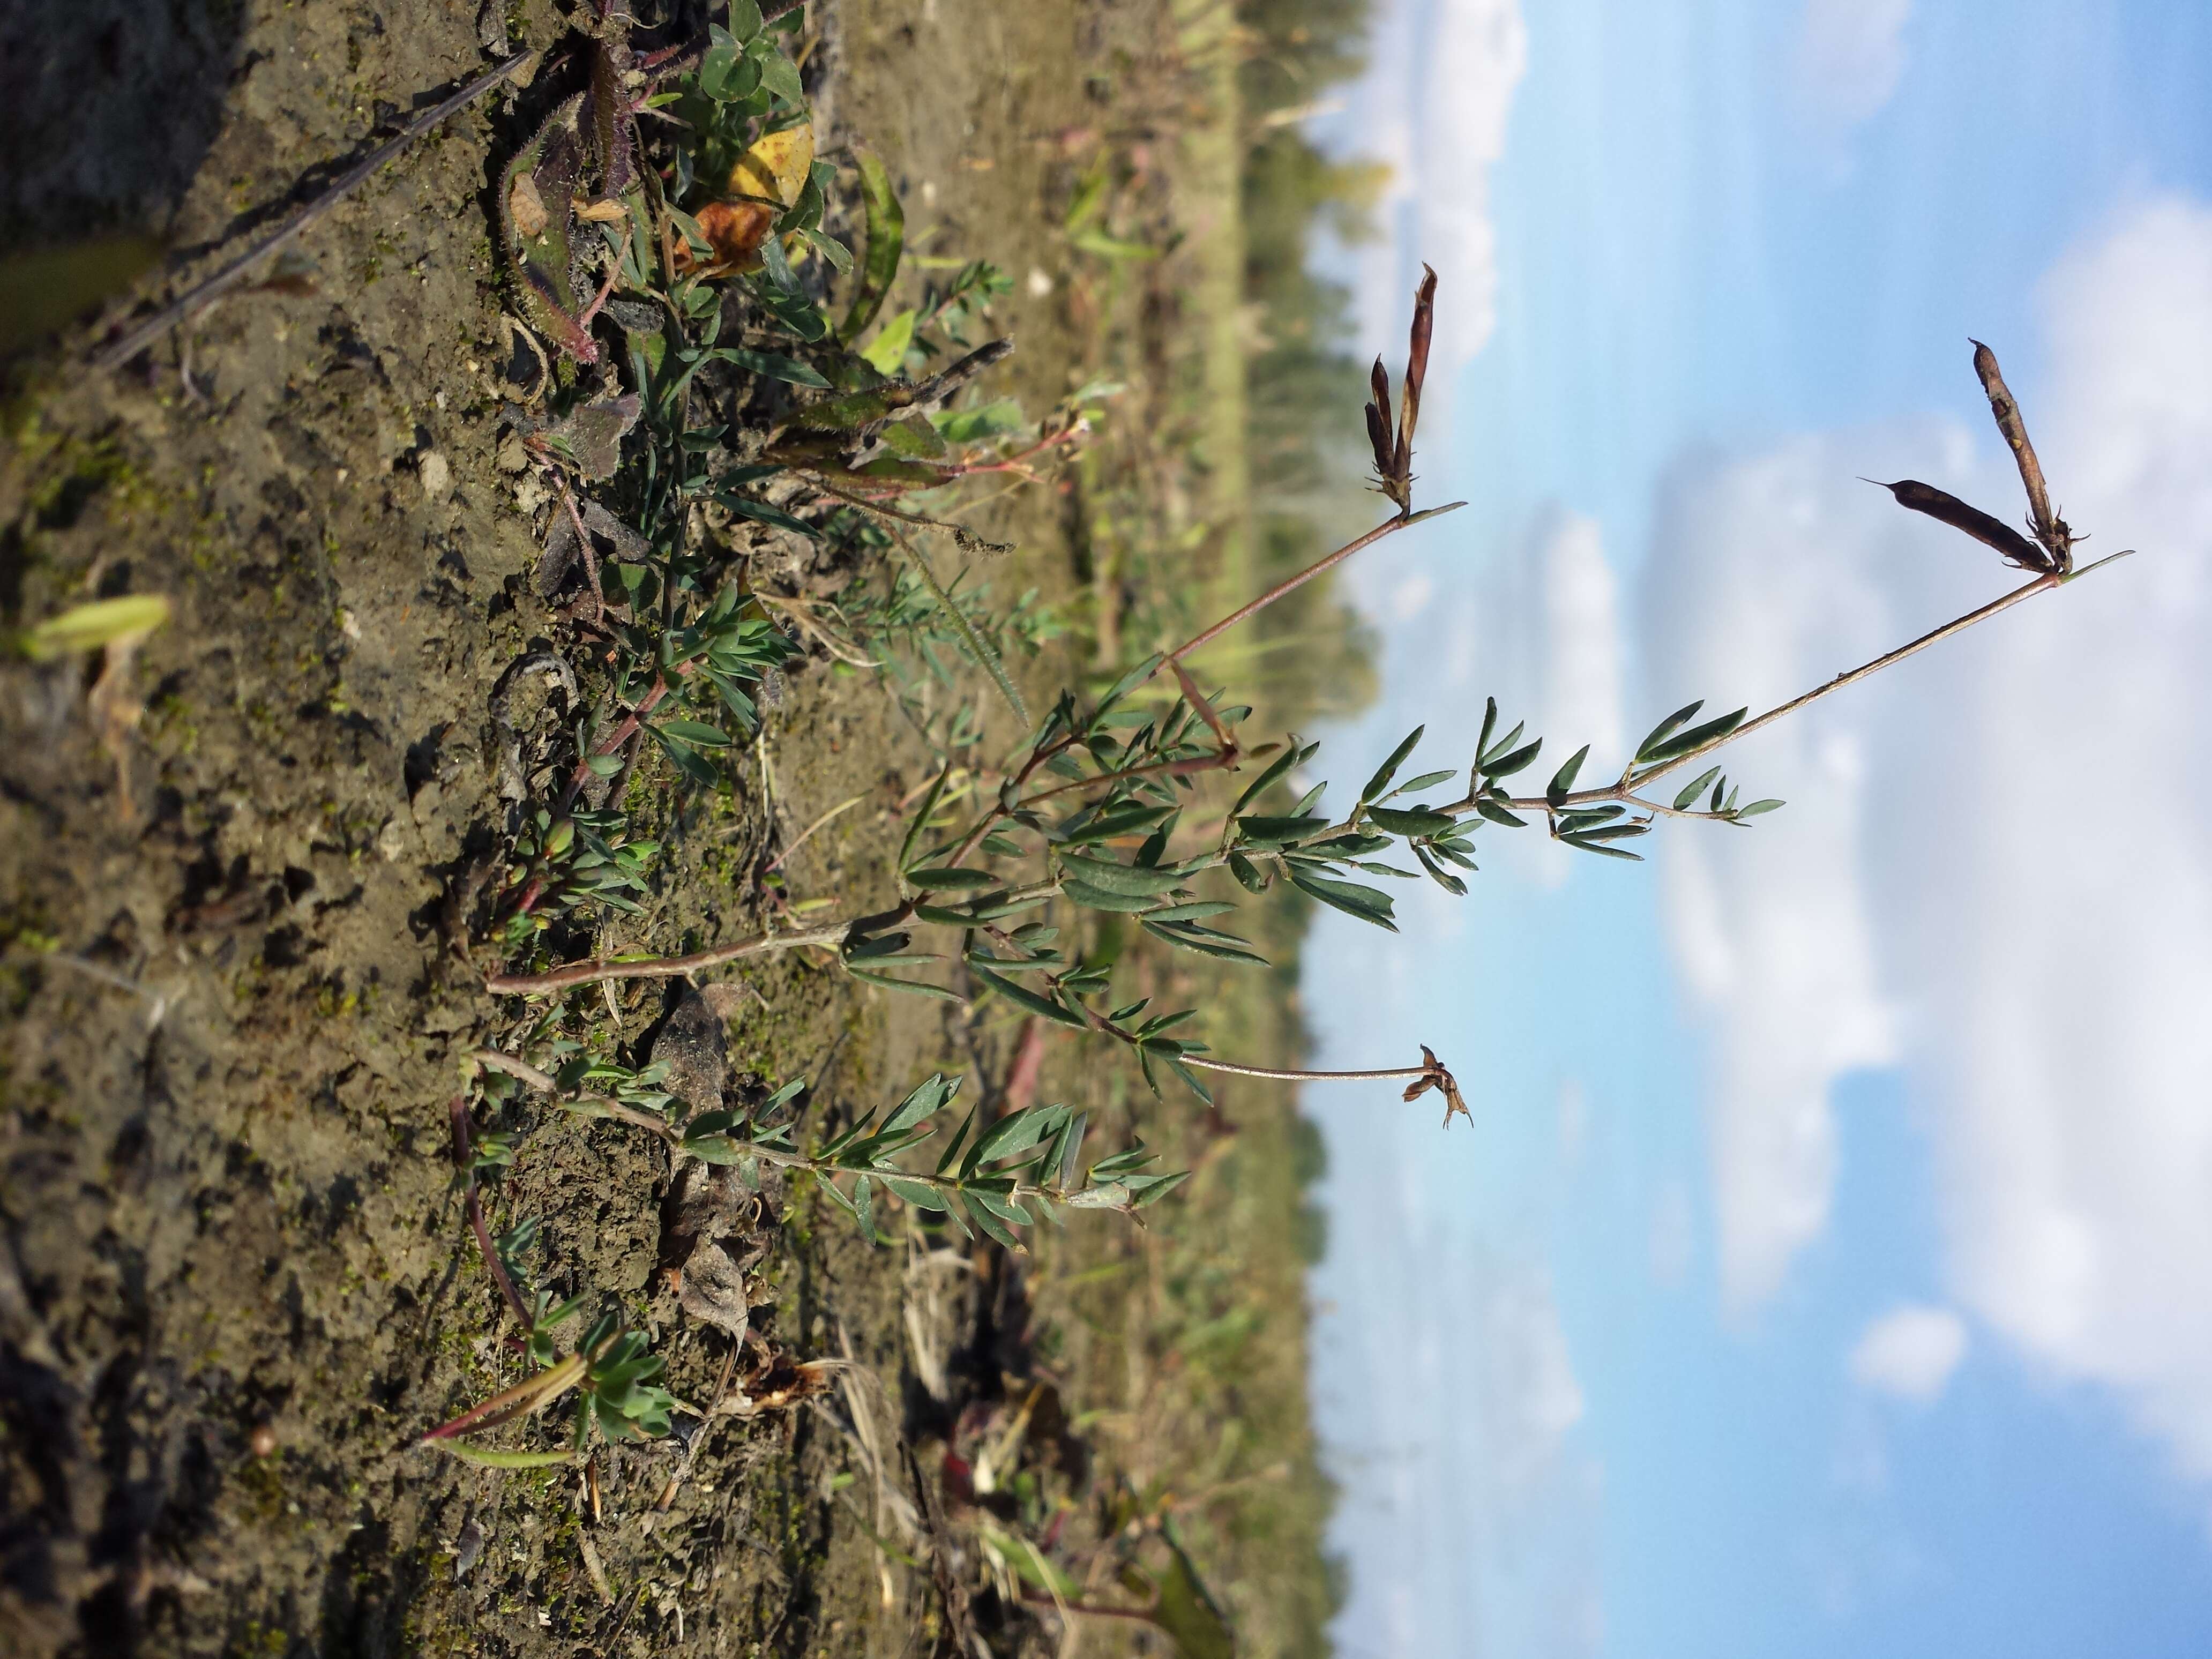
[(235, 1284)]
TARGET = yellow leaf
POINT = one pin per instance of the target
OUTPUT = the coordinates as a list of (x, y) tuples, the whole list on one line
[(775, 169)]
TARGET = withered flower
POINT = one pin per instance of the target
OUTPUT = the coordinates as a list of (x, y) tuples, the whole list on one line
[(1435, 1076)]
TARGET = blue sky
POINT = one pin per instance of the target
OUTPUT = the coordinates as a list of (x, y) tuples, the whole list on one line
[(1807, 1284)]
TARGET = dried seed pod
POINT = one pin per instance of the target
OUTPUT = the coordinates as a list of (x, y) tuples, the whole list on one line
[(1948, 508), (2049, 529), (1417, 371)]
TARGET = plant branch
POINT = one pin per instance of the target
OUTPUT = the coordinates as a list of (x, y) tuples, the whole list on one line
[(591, 973)]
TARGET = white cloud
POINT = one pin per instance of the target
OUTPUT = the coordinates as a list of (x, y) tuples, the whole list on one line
[(1582, 632), (1994, 868), (1434, 106), (1758, 579), (1850, 56), (1910, 1352)]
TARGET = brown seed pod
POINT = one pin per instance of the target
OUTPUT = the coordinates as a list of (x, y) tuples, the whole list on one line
[(1948, 508), (2049, 530)]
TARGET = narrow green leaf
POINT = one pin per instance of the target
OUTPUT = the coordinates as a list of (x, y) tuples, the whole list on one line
[(1275, 768), (745, 508), (1368, 903), (1414, 786), (1097, 898), (773, 366), (1151, 1188), (1021, 997), (1564, 779), (988, 1223), (919, 986), (950, 1155), (1443, 878), (929, 1096), (1121, 821), (919, 1193), (1007, 1209), (1509, 764), (1411, 821), (1609, 832), (887, 351), (942, 878), (695, 732), (1485, 757), (1278, 832), (1608, 852), (1689, 742), (1110, 877), (929, 809), (945, 917), (1388, 769), (1197, 910), (86, 627), (1691, 791), (1665, 729), (1205, 943), (1497, 814), (1015, 1132), (1756, 808)]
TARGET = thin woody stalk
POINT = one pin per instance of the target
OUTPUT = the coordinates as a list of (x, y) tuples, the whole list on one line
[(1631, 780)]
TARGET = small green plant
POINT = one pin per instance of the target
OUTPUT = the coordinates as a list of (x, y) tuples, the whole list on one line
[(610, 1371)]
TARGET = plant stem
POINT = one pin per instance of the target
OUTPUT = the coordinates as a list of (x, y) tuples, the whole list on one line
[(591, 973), (464, 1141), (1092, 1609), (203, 295), (1631, 780), (1294, 1076), (1289, 584)]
